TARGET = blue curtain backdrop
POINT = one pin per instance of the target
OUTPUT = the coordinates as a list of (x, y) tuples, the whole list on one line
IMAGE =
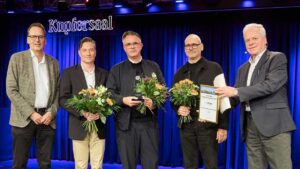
[(163, 38)]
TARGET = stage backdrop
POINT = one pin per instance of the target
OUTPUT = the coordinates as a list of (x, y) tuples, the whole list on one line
[(163, 38)]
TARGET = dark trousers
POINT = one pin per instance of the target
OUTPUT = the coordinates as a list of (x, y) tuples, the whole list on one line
[(22, 140), (141, 140), (194, 138)]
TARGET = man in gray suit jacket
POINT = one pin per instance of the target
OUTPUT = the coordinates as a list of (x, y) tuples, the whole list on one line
[(32, 87), (261, 88)]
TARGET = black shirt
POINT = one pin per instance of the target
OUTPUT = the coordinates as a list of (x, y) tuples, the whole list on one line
[(135, 114)]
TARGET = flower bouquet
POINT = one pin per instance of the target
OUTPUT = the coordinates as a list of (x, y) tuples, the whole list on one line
[(185, 93), (150, 87), (96, 101)]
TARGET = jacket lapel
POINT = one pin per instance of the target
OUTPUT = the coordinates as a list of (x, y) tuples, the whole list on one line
[(81, 78), (258, 67), (51, 77), (98, 77), (244, 74), (28, 61)]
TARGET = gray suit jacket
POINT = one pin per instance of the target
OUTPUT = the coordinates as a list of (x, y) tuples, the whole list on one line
[(267, 95), (20, 88)]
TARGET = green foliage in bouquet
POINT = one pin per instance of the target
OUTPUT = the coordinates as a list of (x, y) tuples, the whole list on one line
[(150, 87), (96, 101), (185, 93)]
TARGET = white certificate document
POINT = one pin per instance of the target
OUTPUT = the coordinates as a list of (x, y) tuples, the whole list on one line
[(224, 102), (208, 104)]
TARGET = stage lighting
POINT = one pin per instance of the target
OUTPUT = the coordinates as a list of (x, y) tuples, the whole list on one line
[(147, 3), (37, 5), (92, 4)]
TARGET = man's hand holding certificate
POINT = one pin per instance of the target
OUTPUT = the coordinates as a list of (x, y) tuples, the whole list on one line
[(210, 103)]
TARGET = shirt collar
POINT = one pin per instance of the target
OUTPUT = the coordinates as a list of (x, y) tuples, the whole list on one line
[(257, 58), (34, 56), (136, 62), (92, 71)]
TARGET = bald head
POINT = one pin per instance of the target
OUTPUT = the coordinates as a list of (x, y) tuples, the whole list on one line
[(193, 48), (192, 36)]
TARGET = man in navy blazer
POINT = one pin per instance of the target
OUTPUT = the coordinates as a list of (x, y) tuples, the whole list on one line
[(261, 88), (74, 79)]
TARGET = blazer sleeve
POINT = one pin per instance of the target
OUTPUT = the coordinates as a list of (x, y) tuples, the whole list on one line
[(275, 78), (112, 84), (12, 89), (175, 80), (65, 92), (54, 104), (160, 75)]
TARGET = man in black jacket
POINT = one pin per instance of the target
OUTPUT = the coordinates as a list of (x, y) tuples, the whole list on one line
[(74, 79), (198, 135), (137, 134)]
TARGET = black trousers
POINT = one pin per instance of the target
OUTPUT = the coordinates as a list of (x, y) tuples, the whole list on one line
[(194, 138), (141, 140), (22, 140)]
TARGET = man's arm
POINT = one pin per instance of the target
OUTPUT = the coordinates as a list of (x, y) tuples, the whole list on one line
[(12, 89), (112, 85), (275, 78), (65, 92)]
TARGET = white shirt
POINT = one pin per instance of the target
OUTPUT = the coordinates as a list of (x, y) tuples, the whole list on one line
[(253, 64), (89, 77), (41, 78)]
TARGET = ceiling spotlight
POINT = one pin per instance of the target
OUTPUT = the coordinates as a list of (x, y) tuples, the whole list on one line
[(92, 3), (179, 1)]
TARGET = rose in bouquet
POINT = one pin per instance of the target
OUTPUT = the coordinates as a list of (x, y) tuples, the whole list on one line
[(96, 101), (151, 88), (185, 93)]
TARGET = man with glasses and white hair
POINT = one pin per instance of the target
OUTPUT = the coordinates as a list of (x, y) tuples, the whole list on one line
[(261, 88), (32, 87), (199, 136), (137, 134)]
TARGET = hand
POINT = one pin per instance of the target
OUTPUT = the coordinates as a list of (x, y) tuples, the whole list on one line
[(148, 103), (36, 118), (46, 118), (90, 116), (183, 111), (226, 91), (221, 135), (129, 102)]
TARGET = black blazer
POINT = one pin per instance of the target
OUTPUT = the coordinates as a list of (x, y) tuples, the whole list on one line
[(72, 81), (121, 81)]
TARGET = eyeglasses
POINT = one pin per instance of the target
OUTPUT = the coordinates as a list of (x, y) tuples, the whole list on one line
[(193, 45), (42, 37), (134, 44)]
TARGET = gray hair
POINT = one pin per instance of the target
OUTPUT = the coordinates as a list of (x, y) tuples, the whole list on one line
[(261, 28)]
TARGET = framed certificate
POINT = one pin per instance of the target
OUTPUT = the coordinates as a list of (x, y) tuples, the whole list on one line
[(209, 104)]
